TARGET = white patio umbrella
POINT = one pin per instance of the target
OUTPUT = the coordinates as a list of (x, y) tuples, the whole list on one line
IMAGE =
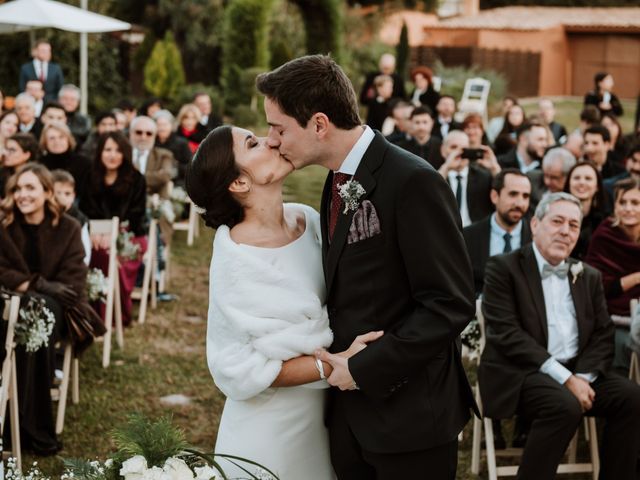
[(21, 15)]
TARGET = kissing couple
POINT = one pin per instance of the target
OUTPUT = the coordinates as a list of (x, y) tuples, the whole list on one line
[(334, 336)]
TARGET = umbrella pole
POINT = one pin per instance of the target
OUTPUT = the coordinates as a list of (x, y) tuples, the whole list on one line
[(84, 65)]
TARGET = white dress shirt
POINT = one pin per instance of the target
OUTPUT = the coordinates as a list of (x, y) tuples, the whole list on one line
[(524, 168), (40, 66), (453, 182), (140, 158), (353, 159), (497, 243), (444, 126), (562, 325)]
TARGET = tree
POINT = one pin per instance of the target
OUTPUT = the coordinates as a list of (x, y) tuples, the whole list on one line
[(163, 73), (402, 52)]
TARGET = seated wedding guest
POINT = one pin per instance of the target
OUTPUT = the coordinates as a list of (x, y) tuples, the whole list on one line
[(423, 92), (444, 121), (378, 107), (507, 138), (632, 169), (117, 189), (472, 125), (35, 88), (166, 138), (556, 164), (421, 142), (58, 149), (597, 149), (504, 230), (64, 190), (122, 121), (615, 251), (41, 255), (130, 111), (399, 122), (602, 95), (618, 145), (26, 111), (189, 126), (105, 122), (53, 112), (589, 116), (496, 123), (149, 107), (531, 144), (386, 66), (19, 149), (470, 183), (209, 119), (78, 123), (549, 347), (547, 111), (8, 126), (585, 183)]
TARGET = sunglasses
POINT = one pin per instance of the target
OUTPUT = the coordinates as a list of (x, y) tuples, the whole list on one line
[(145, 133)]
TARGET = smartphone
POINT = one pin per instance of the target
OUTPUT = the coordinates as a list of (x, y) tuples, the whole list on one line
[(472, 154)]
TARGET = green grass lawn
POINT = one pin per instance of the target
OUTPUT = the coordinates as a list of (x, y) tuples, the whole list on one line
[(166, 355)]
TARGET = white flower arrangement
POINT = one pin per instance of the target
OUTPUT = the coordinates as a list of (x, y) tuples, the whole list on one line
[(470, 337), (351, 192), (13, 473), (127, 249), (97, 285), (576, 270), (35, 324)]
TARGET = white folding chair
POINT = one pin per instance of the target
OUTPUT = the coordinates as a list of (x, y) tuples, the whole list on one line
[(149, 285), (491, 453), (634, 366), (70, 375), (9, 385), (474, 98), (110, 229), (191, 225)]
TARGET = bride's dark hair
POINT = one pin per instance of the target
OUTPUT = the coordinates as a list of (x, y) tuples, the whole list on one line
[(209, 175)]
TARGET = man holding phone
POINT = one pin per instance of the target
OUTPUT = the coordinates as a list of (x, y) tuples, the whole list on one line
[(471, 183)]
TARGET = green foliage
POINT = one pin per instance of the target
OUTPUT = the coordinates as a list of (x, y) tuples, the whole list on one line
[(244, 116), (453, 79), (287, 35), (323, 24), (188, 91), (246, 45), (163, 72), (402, 51), (484, 4), (154, 440)]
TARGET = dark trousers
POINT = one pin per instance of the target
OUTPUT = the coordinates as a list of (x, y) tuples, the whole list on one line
[(351, 462), (556, 414)]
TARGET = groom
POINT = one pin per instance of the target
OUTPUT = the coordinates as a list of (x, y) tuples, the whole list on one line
[(394, 261)]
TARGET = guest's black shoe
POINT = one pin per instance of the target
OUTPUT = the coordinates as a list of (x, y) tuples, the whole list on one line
[(46, 451)]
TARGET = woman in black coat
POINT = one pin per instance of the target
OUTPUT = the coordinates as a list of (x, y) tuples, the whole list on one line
[(41, 255), (602, 95)]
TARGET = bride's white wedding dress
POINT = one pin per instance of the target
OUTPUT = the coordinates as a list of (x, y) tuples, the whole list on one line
[(266, 305)]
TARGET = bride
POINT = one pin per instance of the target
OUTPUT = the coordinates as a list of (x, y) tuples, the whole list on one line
[(267, 311)]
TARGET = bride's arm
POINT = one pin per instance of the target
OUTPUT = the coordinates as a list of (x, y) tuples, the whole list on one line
[(300, 370)]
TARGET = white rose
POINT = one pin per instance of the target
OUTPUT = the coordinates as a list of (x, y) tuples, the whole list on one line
[(177, 469), (155, 473), (135, 465), (205, 473)]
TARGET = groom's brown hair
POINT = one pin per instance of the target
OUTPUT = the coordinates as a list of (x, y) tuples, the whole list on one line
[(311, 84)]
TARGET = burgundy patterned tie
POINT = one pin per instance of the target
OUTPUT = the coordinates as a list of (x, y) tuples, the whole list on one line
[(339, 178)]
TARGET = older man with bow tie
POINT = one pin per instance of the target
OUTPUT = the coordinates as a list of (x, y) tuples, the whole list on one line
[(550, 346)]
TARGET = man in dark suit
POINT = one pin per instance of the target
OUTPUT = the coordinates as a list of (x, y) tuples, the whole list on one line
[(444, 121), (597, 148), (209, 119), (395, 263), (386, 66), (550, 346), (421, 142), (504, 230), (555, 167), (43, 69), (547, 111), (470, 182), (532, 142)]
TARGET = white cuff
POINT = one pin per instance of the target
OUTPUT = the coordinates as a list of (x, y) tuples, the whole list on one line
[(589, 377), (555, 370)]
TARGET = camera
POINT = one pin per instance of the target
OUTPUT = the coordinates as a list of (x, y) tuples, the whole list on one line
[(472, 154)]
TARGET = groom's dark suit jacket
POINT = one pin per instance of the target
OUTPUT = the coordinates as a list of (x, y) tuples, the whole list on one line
[(517, 333), (414, 282)]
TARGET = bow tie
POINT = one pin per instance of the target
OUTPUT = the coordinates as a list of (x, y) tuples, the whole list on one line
[(561, 271)]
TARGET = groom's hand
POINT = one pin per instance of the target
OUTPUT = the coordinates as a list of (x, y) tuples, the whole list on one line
[(341, 376)]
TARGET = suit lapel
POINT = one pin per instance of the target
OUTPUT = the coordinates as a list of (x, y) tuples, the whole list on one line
[(484, 242), (371, 160), (471, 186), (579, 301), (530, 269)]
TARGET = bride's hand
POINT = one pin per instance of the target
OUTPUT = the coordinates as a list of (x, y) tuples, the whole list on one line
[(360, 343)]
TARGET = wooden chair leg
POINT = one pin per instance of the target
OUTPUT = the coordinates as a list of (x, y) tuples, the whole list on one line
[(75, 382), (476, 445), (118, 315), (491, 451), (573, 448), (15, 417), (146, 281), (64, 389), (593, 447)]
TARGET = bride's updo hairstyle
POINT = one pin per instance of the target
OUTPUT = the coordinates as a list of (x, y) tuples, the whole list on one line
[(209, 175)]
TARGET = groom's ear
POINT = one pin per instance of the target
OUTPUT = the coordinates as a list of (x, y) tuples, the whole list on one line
[(320, 124), (240, 185)]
